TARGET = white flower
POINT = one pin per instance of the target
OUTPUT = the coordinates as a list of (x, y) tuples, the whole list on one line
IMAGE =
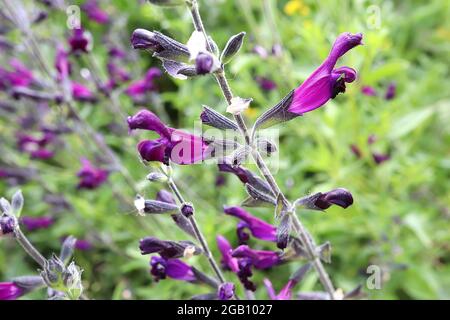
[(196, 44), (139, 203)]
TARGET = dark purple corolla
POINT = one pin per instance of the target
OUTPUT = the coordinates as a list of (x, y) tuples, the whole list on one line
[(379, 158), (391, 91), (7, 224), (260, 259), (172, 268), (340, 197), (10, 291), (226, 291), (90, 176), (167, 249), (36, 223), (139, 88), (228, 261), (326, 82), (94, 12), (80, 41), (174, 145), (258, 228)]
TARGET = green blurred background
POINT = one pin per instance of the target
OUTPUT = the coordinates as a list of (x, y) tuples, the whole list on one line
[(400, 219)]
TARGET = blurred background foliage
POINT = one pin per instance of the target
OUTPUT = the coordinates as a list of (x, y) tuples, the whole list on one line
[(400, 219)]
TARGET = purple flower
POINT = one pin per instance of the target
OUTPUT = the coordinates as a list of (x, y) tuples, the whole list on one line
[(325, 82), (259, 228), (83, 245), (368, 91), (82, 93), (379, 158), (36, 147), (226, 291), (94, 12), (139, 88), (228, 262), (340, 197), (391, 91), (260, 259), (172, 268), (10, 291), (178, 146), (204, 63), (245, 273), (116, 74), (80, 41), (115, 52), (21, 76), (62, 63), (372, 139), (266, 84), (166, 248), (36, 223), (90, 176), (7, 224)]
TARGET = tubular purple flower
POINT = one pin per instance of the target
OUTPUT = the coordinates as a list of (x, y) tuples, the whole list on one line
[(245, 273), (227, 261), (36, 223), (379, 158), (260, 259), (285, 293), (62, 63), (94, 12), (226, 291), (178, 146), (90, 176), (340, 197), (259, 228), (172, 268), (10, 291), (139, 88), (21, 76), (266, 84), (80, 41)]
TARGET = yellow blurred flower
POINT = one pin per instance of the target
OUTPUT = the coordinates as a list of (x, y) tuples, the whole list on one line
[(296, 7), (251, 113)]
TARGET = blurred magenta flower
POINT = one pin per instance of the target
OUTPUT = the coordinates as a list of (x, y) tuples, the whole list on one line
[(62, 63), (139, 88), (172, 268), (286, 292), (258, 228), (356, 150), (36, 147), (379, 158), (82, 93), (10, 291), (266, 84), (227, 261), (260, 259), (325, 82), (368, 91), (94, 12), (80, 41), (226, 291), (178, 146), (20, 76), (90, 176), (391, 91), (36, 223)]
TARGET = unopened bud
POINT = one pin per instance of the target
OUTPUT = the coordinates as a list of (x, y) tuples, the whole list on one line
[(187, 209)]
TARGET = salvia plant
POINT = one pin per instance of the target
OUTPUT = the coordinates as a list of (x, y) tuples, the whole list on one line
[(230, 276)]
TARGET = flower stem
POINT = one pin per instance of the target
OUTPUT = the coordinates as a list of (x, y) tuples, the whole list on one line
[(303, 234), (29, 248), (198, 234)]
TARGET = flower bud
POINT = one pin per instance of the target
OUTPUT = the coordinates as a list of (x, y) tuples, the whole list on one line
[(156, 177), (226, 291), (187, 209), (153, 206), (168, 249), (215, 119), (232, 47), (340, 197), (8, 224), (205, 63)]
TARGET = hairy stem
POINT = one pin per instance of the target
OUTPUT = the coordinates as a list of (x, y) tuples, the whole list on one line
[(29, 248), (303, 234), (198, 234)]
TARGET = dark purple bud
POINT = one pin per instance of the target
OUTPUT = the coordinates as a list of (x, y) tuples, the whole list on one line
[(245, 273), (153, 150), (379, 158), (147, 120), (215, 119), (154, 206), (232, 47), (7, 224), (168, 249), (172, 268), (391, 91), (204, 63), (242, 235), (340, 197), (226, 291), (187, 209)]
